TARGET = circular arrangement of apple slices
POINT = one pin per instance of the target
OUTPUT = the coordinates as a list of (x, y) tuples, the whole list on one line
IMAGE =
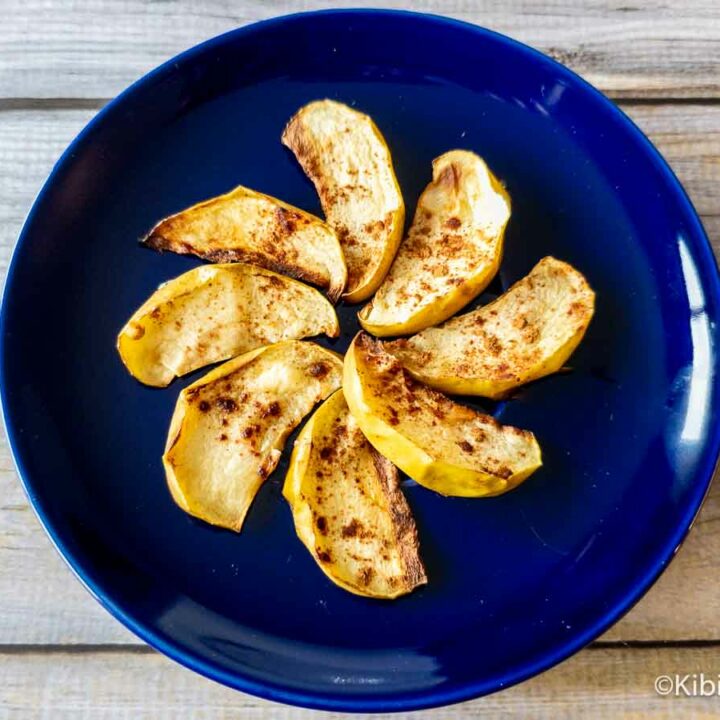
[(383, 405)]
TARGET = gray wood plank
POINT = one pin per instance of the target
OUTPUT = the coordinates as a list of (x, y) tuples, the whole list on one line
[(43, 603), (31, 141), (688, 136), (30, 144), (98, 47), (601, 684)]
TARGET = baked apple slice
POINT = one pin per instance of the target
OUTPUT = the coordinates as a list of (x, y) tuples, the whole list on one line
[(229, 427), (528, 332), (348, 508), (451, 253), (247, 226), (447, 447), (342, 151), (215, 312)]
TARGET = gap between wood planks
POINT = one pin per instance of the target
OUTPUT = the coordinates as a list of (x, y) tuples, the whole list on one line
[(61, 103), (143, 649), (28, 103)]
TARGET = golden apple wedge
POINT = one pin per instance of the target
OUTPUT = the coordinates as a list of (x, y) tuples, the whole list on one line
[(528, 332), (247, 226), (348, 508), (447, 447), (451, 253), (229, 427), (214, 312), (344, 154)]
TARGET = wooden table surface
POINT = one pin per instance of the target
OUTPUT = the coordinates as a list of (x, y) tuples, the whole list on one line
[(61, 655)]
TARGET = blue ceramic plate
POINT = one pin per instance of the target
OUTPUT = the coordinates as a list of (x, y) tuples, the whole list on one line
[(517, 583)]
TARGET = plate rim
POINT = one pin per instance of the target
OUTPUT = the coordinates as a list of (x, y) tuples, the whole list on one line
[(407, 700)]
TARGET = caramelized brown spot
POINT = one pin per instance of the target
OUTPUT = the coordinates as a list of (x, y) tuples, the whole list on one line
[(438, 412), (319, 369), (352, 529), (223, 437), (343, 233), (286, 220), (453, 223), (226, 404), (272, 409), (494, 345), (450, 176), (323, 555), (321, 523), (466, 446), (135, 331), (531, 333), (479, 434), (366, 575), (326, 453), (204, 406)]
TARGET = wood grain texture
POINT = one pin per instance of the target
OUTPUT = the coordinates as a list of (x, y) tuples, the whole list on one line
[(689, 138), (95, 48), (600, 684), (61, 654), (32, 140), (43, 603)]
